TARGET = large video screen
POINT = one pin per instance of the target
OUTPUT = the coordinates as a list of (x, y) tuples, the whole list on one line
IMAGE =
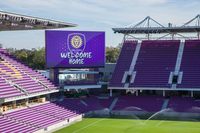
[(75, 49)]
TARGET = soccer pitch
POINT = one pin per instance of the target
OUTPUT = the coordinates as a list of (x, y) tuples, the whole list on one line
[(107, 125)]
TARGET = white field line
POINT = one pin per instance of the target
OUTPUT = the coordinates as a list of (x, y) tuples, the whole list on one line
[(91, 124)]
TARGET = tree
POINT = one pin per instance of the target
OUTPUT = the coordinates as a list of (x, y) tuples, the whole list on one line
[(112, 54), (39, 58), (34, 58)]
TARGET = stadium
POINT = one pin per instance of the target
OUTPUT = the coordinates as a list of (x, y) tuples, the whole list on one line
[(154, 86)]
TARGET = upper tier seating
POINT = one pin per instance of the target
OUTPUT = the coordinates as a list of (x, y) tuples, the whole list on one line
[(6, 90), (155, 61), (190, 65), (123, 63), (17, 79)]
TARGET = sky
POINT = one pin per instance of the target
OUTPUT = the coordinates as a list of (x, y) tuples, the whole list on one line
[(94, 15)]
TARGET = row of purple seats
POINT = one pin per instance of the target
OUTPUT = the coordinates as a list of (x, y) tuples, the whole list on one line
[(105, 103), (25, 77), (55, 110), (184, 104), (123, 63), (29, 71), (11, 126), (31, 86), (84, 105), (33, 117), (73, 104), (139, 103), (93, 103), (155, 61), (190, 65), (7, 91)]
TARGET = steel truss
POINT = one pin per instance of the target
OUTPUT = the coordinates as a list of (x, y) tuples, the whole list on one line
[(150, 29)]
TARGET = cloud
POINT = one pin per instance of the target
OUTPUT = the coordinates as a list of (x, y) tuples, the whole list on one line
[(102, 14), (29, 3)]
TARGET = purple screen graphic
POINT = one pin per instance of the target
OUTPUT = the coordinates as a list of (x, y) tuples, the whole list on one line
[(75, 49)]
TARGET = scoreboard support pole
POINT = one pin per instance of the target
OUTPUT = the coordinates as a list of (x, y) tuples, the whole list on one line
[(54, 75)]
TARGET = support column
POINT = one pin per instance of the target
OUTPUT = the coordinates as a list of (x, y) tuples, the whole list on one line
[(1, 108), (110, 92), (48, 97), (26, 102), (192, 94), (136, 92), (14, 104), (173, 36), (163, 93)]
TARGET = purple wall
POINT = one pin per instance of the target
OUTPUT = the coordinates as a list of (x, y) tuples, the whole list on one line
[(75, 49)]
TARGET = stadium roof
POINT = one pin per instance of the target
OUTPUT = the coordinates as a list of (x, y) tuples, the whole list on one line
[(12, 21), (151, 26), (154, 30)]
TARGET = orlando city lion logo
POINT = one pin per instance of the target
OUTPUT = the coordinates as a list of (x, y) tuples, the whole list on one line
[(76, 42)]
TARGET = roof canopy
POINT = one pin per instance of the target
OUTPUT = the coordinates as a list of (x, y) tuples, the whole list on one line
[(149, 26), (154, 30), (12, 21)]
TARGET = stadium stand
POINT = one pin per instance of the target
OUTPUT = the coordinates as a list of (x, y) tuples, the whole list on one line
[(123, 63), (155, 61), (145, 103), (18, 80), (41, 116), (190, 65), (84, 105), (55, 110), (33, 117), (184, 104), (37, 117), (11, 126), (140, 103), (24, 91), (6, 90), (73, 104), (106, 102)]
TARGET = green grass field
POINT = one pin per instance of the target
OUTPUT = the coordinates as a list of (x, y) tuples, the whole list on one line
[(106, 125)]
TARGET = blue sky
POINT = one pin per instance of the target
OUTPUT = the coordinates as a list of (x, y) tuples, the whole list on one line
[(100, 15)]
